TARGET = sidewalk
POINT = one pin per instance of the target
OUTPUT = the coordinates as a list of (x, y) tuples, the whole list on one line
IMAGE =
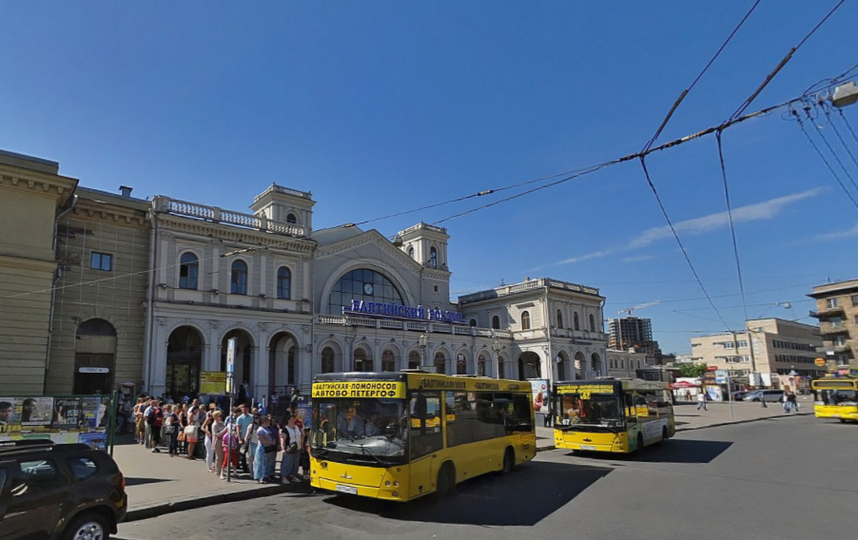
[(158, 484), (688, 418)]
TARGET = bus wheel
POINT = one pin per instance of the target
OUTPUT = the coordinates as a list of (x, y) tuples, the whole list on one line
[(664, 434), (843, 420), (446, 485), (640, 442), (508, 461)]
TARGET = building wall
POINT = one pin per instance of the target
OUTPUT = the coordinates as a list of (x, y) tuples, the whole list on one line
[(837, 311), (623, 364), (31, 194), (102, 223), (779, 346)]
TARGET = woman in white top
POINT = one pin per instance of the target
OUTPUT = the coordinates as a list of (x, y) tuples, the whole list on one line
[(293, 442)]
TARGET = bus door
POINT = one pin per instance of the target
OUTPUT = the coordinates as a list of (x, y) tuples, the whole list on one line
[(425, 440)]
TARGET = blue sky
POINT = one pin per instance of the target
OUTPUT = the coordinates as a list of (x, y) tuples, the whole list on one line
[(378, 107)]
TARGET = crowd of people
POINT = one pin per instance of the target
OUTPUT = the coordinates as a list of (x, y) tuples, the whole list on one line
[(244, 443)]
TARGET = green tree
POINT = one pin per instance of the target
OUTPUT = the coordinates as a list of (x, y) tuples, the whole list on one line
[(692, 370)]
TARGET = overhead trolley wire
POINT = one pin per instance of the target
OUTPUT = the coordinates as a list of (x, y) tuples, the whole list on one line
[(686, 91)]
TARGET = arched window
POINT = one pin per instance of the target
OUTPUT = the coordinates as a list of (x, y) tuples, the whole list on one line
[(388, 361), (327, 360), (362, 362), (440, 363), (525, 320), (291, 218), (473, 322), (284, 283), (414, 360), (561, 370), (592, 323), (189, 267), (461, 364), (238, 279), (362, 284), (433, 257), (575, 323), (501, 370), (411, 251), (496, 322), (481, 365), (559, 319)]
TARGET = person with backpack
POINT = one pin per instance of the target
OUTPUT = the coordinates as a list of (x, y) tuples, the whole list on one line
[(156, 423), (292, 439)]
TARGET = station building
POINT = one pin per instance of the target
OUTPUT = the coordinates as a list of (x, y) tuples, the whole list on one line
[(117, 290)]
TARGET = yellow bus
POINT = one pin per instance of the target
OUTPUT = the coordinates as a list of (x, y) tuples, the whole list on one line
[(398, 436), (836, 397), (612, 415)]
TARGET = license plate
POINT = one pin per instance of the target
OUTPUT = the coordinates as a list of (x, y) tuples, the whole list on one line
[(587, 447), (346, 489)]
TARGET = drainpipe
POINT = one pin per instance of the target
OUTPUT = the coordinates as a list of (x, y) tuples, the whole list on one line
[(548, 330), (70, 205), (150, 307), (313, 314)]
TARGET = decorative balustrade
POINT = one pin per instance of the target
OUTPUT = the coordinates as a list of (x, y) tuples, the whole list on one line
[(217, 215), (527, 286)]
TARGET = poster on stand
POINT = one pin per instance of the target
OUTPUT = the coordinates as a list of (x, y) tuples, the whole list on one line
[(539, 387), (62, 419)]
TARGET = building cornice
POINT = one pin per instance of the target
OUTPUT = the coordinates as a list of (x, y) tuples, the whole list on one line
[(209, 230), (42, 183), (109, 212)]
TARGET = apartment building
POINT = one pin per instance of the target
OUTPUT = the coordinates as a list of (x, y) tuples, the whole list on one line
[(769, 352), (837, 311)]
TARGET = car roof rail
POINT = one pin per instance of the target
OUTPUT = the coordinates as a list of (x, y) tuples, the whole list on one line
[(26, 443)]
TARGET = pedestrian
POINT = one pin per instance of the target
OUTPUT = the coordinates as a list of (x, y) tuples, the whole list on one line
[(192, 428), (266, 452), (701, 400), (793, 400), (292, 441), (764, 405), (305, 456), (293, 401), (218, 430), (172, 427), (209, 441), (156, 420), (251, 441), (140, 421), (148, 419), (243, 421), (688, 395)]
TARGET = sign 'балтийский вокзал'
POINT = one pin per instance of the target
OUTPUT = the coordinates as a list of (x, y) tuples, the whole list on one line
[(403, 312)]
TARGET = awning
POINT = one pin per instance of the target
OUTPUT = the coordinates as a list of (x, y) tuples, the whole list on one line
[(683, 384)]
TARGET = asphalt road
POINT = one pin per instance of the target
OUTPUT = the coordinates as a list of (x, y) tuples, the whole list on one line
[(781, 479)]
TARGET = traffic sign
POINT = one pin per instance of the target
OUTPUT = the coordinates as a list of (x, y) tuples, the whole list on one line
[(711, 368), (819, 361), (720, 376), (230, 355)]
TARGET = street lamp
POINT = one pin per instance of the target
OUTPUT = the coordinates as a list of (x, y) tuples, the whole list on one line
[(423, 340), (496, 347)]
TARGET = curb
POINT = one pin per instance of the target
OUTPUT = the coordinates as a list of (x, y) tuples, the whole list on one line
[(148, 512)]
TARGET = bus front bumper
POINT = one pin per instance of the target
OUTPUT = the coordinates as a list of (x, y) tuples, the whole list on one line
[(835, 411), (592, 442), (391, 493)]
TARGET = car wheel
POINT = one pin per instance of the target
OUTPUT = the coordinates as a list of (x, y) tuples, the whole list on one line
[(90, 526)]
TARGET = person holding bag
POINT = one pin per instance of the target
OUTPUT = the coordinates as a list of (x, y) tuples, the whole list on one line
[(192, 427), (293, 441), (266, 452), (209, 443), (218, 430)]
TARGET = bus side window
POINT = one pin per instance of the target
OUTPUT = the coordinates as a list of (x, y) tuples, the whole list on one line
[(425, 434), (629, 404)]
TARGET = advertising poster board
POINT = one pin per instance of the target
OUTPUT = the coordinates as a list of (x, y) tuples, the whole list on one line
[(62, 419), (305, 410), (213, 382), (539, 387)]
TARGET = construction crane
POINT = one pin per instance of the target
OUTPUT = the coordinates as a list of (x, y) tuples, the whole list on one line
[(620, 343), (639, 306)]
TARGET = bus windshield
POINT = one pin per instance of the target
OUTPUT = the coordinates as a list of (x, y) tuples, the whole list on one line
[(372, 428), (596, 410)]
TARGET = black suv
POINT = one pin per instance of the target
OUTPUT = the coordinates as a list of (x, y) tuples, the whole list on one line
[(64, 491)]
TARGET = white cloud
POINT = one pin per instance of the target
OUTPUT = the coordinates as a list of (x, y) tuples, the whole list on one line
[(752, 212), (638, 258), (838, 235)]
